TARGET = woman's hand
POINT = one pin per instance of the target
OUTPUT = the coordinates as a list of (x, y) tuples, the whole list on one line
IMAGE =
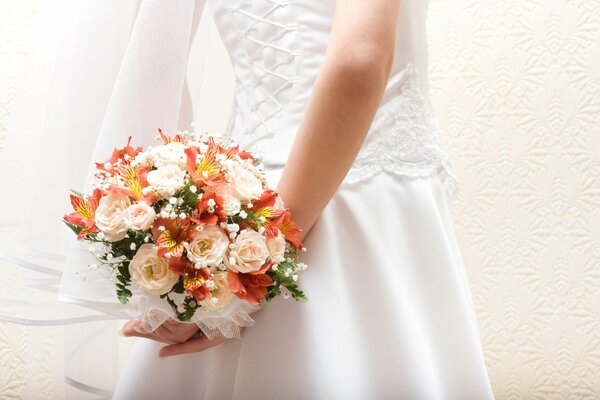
[(170, 332), (181, 338), (196, 344)]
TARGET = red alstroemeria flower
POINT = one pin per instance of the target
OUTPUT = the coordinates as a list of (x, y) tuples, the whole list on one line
[(195, 283), (249, 287), (194, 279), (231, 152), (85, 211), (169, 139), (124, 155), (170, 240), (134, 181), (290, 230), (208, 171), (264, 208), (207, 214)]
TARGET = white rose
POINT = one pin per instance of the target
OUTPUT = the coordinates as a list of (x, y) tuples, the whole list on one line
[(276, 247), (151, 272), (170, 154), (245, 184), (167, 179), (249, 252), (109, 216), (220, 296), (208, 246), (231, 204), (140, 216)]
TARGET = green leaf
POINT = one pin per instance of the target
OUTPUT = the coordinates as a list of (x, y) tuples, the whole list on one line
[(178, 288), (124, 295), (76, 193), (189, 198), (73, 227)]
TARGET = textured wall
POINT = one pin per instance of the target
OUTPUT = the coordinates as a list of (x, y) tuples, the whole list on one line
[(515, 85), (29, 367)]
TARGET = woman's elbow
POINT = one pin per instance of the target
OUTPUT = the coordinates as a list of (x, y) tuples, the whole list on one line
[(366, 68)]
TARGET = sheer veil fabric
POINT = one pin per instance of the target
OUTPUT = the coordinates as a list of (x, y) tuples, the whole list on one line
[(91, 83)]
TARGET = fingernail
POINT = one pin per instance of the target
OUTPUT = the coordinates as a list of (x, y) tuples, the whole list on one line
[(139, 329)]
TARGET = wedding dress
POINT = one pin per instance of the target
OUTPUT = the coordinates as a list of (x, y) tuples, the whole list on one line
[(390, 314)]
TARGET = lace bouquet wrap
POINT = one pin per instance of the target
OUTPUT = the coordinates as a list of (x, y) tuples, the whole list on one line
[(190, 223)]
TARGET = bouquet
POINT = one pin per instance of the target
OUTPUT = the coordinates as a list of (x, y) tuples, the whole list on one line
[(190, 221)]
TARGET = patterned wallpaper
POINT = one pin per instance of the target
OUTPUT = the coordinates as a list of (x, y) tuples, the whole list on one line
[(515, 85), (30, 369)]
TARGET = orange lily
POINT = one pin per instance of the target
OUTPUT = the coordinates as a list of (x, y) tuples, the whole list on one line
[(85, 211), (134, 179), (193, 279), (119, 154), (208, 171), (167, 139), (249, 287), (206, 217), (289, 228), (170, 240)]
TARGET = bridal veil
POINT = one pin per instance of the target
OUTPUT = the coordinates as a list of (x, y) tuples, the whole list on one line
[(99, 71)]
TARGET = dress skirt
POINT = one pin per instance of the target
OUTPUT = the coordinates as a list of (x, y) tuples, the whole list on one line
[(389, 316)]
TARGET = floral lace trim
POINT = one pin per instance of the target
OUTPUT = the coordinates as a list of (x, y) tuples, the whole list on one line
[(404, 139), (226, 322)]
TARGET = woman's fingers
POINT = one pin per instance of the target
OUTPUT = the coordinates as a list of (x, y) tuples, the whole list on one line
[(132, 329), (169, 332), (193, 345), (164, 335), (135, 328), (182, 331)]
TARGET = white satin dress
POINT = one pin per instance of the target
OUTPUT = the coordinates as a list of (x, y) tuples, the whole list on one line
[(390, 314)]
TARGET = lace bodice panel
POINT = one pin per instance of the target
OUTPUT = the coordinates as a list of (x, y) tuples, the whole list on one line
[(405, 137), (277, 47)]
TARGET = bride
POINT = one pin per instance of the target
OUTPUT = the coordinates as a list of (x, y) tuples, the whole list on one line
[(333, 94)]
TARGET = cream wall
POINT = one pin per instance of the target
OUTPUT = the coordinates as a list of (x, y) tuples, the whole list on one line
[(516, 86)]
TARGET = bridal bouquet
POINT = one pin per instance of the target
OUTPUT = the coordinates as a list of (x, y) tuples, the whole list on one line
[(192, 221)]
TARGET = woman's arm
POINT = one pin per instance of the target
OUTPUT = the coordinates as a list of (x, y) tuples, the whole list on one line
[(345, 97), (343, 103)]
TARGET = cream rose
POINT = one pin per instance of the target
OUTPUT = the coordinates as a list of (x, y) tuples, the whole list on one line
[(208, 246), (220, 295), (249, 252), (231, 203), (245, 184), (276, 247), (151, 272), (278, 206), (109, 216), (167, 179), (140, 216), (170, 154)]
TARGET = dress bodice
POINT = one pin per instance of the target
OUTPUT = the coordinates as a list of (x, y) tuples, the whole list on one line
[(276, 49)]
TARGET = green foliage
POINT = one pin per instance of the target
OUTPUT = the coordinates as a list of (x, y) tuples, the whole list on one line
[(78, 194), (189, 304), (189, 198), (73, 227), (280, 279), (123, 294)]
